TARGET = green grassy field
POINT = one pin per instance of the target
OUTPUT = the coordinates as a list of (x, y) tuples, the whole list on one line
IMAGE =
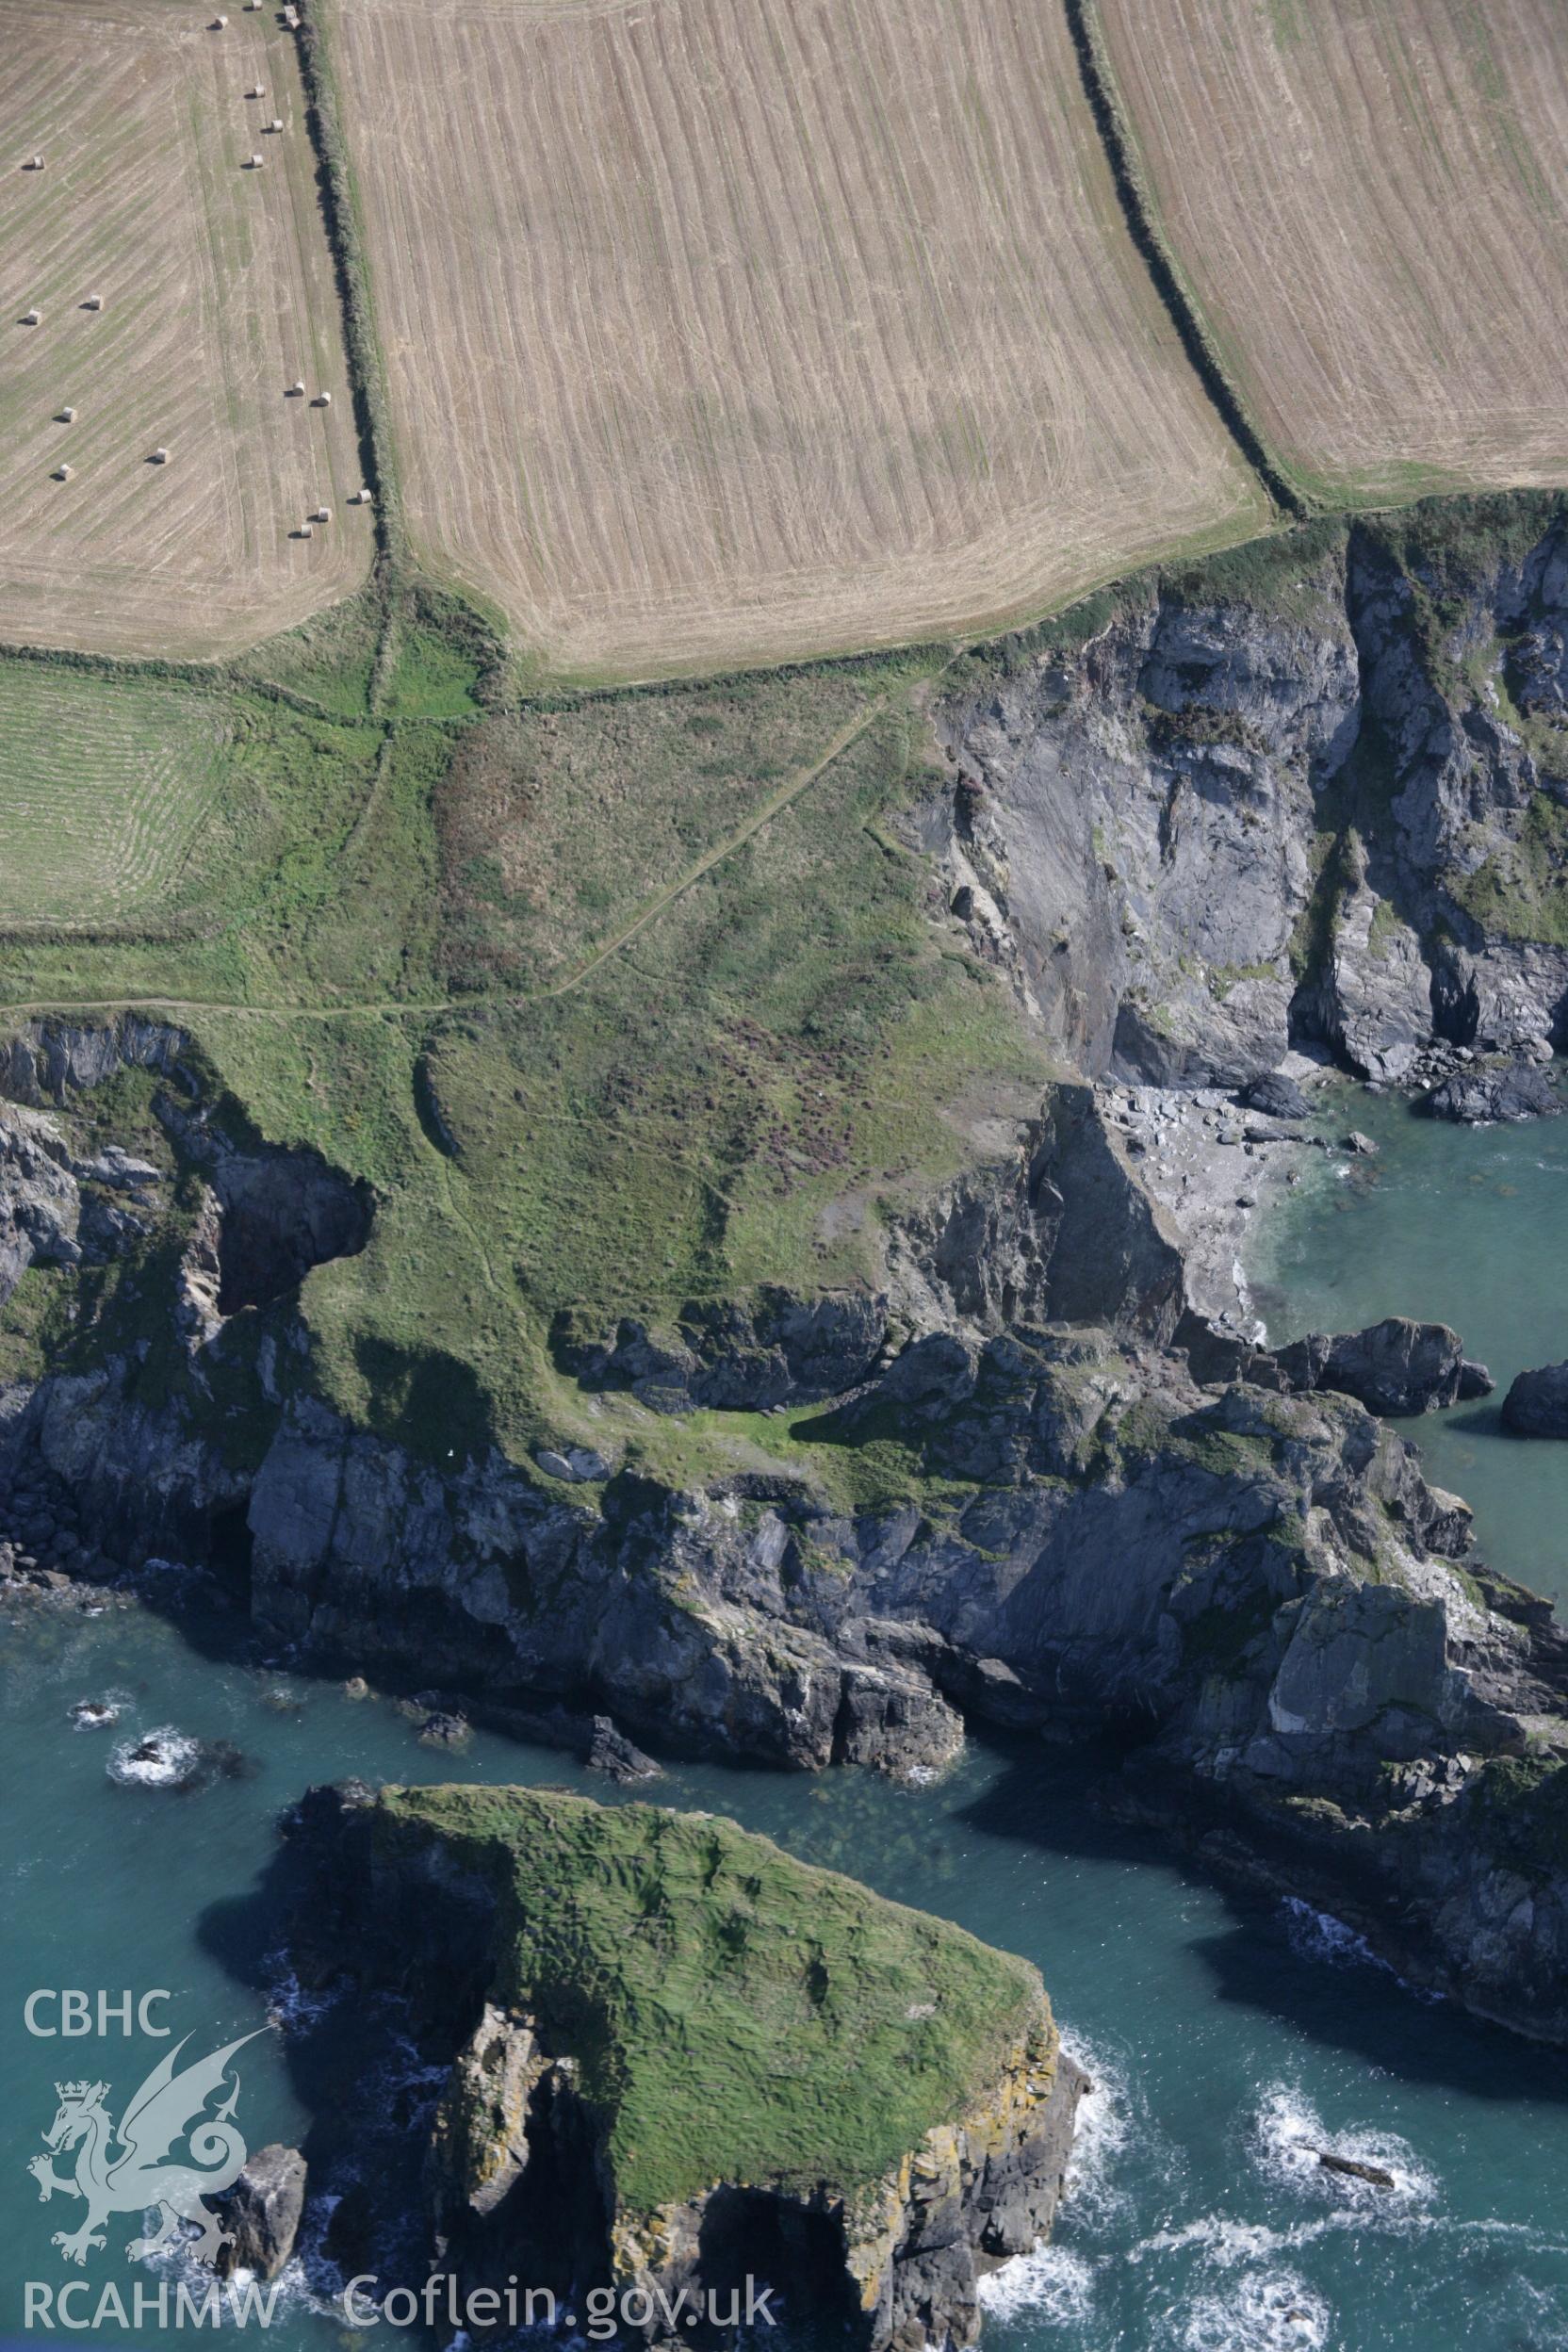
[(617, 1001), (104, 787)]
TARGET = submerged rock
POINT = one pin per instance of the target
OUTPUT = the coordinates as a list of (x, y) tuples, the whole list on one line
[(168, 1759), (1396, 1367), (160, 1759), (94, 1714), (1376, 2176), (1537, 1403), (917, 2137), (1473, 1096), (262, 2213)]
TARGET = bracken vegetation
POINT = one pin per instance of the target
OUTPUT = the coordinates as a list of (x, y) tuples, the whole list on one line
[(674, 1024)]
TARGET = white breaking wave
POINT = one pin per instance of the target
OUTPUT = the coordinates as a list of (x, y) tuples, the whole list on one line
[(1318, 1936), (1109, 2115), (1056, 2282), (1051, 2283), (289, 2005), (160, 1760), (290, 2293), (1223, 2241), (1265, 2310), (1288, 2135), (99, 1714)]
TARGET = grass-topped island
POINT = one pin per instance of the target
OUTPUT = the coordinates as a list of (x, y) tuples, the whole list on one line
[(682, 2061)]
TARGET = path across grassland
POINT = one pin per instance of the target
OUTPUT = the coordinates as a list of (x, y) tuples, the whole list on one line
[(374, 1008)]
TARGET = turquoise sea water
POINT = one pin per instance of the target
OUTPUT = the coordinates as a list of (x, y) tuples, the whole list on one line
[(1228, 2040), (1460, 1225)]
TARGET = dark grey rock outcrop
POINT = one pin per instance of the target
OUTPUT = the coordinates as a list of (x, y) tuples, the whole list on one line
[(1063, 1232), (266, 1214), (49, 1059), (275, 1213), (773, 1348), (1136, 817), (1223, 824), (611, 1752), (262, 2213), (1395, 1366), (1473, 1096), (1537, 1403), (60, 1205)]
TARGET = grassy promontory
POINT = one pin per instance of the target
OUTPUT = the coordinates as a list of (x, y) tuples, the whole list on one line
[(735, 2015)]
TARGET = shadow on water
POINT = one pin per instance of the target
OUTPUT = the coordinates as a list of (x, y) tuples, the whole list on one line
[(367, 2088), (1350, 2004), (207, 1609), (1471, 1421)]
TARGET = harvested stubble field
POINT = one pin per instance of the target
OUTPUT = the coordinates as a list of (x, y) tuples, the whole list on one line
[(217, 293), (1368, 201), (719, 332), (104, 785)]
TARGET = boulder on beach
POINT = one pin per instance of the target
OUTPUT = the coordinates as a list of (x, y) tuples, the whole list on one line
[(1276, 1096), (1518, 1090), (1537, 1404)]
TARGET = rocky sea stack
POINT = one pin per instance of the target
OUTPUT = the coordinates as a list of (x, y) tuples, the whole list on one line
[(681, 2059)]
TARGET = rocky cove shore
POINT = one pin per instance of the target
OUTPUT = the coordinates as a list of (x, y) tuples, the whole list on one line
[(1204, 835), (1213, 1157)]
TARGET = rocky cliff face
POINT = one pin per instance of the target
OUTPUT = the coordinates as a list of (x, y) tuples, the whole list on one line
[(1336, 810), (1256, 1586)]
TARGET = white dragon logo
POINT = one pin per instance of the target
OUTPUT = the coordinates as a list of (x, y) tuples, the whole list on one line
[(131, 2177)]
